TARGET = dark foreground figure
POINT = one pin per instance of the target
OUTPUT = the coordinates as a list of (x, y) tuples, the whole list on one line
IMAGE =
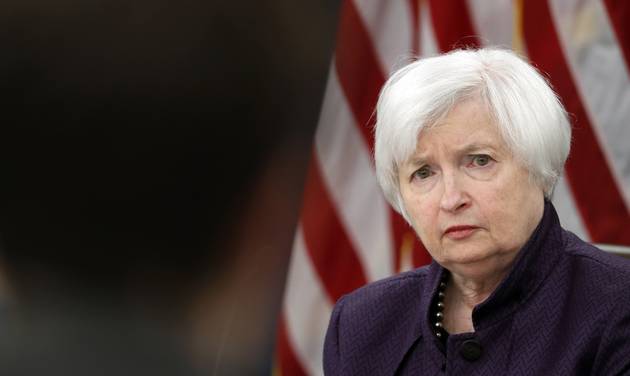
[(131, 136)]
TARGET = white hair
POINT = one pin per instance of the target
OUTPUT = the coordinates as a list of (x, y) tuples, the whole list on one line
[(531, 119)]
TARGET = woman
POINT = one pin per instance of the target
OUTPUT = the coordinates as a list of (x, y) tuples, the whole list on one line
[(469, 146)]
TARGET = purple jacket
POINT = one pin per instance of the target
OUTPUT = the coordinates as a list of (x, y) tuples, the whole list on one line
[(564, 309)]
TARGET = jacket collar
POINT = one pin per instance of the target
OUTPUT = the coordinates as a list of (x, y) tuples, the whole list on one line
[(531, 266)]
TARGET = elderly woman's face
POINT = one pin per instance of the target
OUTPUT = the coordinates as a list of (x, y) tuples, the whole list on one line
[(472, 205)]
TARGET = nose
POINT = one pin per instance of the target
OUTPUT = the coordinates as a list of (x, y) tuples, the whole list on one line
[(454, 197)]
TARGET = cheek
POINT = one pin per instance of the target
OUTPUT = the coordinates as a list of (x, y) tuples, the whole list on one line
[(508, 206), (423, 216)]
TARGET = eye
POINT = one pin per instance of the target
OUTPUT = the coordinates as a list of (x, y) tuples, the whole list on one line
[(480, 160), (422, 173)]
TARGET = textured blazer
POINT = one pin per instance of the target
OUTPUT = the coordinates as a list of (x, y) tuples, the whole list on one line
[(563, 309)]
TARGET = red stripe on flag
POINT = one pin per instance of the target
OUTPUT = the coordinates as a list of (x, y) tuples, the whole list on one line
[(402, 231), (327, 243), (358, 69), (420, 254), (452, 24), (619, 14), (287, 361), (602, 207)]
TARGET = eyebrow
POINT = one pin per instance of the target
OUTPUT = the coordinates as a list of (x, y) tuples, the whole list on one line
[(421, 158), (477, 147)]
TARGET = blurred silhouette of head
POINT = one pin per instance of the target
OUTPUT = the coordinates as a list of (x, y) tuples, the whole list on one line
[(127, 138)]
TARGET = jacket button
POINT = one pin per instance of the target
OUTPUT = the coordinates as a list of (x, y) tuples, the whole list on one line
[(471, 350)]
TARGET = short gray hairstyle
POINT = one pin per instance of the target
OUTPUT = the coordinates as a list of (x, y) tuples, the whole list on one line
[(531, 119)]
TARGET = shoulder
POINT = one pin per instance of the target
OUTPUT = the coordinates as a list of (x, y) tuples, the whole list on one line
[(379, 305), (391, 289), (369, 326), (606, 278), (610, 273)]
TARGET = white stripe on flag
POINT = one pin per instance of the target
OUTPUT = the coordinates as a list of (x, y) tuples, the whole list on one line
[(389, 27), (564, 203), (348, 173), (599, 72), (307, 309), (493, 20)]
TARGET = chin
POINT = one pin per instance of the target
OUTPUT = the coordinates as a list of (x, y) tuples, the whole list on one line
[(468, 252), (475, 262)]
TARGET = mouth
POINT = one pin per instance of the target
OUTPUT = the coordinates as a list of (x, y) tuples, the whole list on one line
[(459, 232)]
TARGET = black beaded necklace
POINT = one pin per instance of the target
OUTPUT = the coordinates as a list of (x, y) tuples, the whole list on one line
[(440, 332)]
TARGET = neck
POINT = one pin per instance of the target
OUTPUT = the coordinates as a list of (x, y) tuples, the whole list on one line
[(463, 293), (473, 291)]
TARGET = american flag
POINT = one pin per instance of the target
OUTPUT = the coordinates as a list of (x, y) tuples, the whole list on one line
[(347, 235)]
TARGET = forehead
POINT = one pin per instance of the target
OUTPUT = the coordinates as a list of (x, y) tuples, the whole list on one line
[(467, 126)]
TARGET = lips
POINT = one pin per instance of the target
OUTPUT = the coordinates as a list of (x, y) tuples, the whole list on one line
[(459, 232)]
